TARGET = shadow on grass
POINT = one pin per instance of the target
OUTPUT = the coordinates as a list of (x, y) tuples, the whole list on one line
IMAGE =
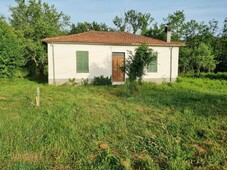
[(38, 79), (179, 99), (198, 102)]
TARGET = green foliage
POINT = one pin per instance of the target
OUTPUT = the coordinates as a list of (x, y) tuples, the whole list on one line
[(217, 76), (10, 51), (196, 34), (72, 82), (221, 50), (175, 21), (156, 31), (202, 58), (33, 21), (185, 59), (84, 27), (135, 64), (85, 82), (133, 21), (102, 81), (224, 31), (120, 24), (191, 28), (192, 32), (159, 127)]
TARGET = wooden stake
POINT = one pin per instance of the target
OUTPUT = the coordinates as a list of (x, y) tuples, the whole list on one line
[(37, 97)]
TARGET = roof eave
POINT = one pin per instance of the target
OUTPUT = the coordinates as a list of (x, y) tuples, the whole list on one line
[(121, 44)]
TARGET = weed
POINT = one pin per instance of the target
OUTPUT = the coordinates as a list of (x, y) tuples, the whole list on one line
[(72, 82), (102, 81), (182, 125), (85, 82)]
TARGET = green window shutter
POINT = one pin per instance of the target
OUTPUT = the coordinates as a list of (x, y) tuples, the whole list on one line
[(153, 66), (82, 64)]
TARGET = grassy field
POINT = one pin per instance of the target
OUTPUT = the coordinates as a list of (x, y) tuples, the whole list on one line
[(178, 126)]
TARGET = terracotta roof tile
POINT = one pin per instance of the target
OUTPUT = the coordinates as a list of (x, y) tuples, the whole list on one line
[(115, 38)]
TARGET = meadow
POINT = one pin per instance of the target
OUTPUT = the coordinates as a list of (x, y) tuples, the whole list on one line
[(161, 126)]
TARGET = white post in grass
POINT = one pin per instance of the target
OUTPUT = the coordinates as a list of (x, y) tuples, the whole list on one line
[(37, 97)]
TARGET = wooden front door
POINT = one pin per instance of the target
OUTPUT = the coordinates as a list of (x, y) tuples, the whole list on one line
[(118, 61)]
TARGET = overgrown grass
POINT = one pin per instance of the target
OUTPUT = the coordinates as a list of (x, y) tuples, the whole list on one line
[(218, 76), (177, 126)]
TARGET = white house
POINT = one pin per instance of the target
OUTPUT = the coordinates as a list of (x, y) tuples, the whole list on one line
[(97, 53)]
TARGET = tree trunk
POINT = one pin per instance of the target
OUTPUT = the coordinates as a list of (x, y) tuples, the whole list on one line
[(208, 69), (140, 80), (184, 69), (198, 71)]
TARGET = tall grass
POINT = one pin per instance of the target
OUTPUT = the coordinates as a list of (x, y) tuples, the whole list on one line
[(167, 126), (218, 75)]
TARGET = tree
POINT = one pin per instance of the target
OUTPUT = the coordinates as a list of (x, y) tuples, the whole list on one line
[(135, 64), (85, 26), (10, 58), (32, 22), (221, 49), (133, 21), (119, 23), (224, 31), (176, 22), (194, 33), (156, 31), (191, 30), (202, 58), (185, 59), (209, 63), (207, 32)]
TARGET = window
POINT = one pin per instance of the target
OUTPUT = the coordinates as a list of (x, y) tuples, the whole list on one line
[(153, 66), (118, 54), (82, 65)]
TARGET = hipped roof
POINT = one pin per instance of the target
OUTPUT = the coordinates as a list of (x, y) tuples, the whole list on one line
[(114, 38)]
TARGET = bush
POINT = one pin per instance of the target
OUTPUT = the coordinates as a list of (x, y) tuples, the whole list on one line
[(20, 73), (219, 75), (102, 81), (85, 82), (10, 55), (72, 82)]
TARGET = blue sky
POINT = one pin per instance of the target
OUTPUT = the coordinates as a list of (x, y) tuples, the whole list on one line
[(106, 10)]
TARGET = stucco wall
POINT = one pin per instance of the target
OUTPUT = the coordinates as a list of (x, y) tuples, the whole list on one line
[(100, 61)]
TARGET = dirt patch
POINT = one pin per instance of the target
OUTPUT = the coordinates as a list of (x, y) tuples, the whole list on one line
[(103, 146), (2, 98), (27, 157), (15, 117), (91, 157), (60, 167), (199, 149)]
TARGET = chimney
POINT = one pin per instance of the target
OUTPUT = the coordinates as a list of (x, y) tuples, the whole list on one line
[(168, 33)]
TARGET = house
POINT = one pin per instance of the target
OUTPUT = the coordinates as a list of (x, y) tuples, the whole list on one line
[(96, 53)]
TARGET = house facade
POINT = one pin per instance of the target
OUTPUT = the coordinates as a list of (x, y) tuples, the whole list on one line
[(95, 53)]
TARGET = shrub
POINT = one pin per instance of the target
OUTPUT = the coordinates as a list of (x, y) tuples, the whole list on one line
[(219, 75), (85, 82), (135, 64), (72, 82), (10, 56), (102, 81)]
